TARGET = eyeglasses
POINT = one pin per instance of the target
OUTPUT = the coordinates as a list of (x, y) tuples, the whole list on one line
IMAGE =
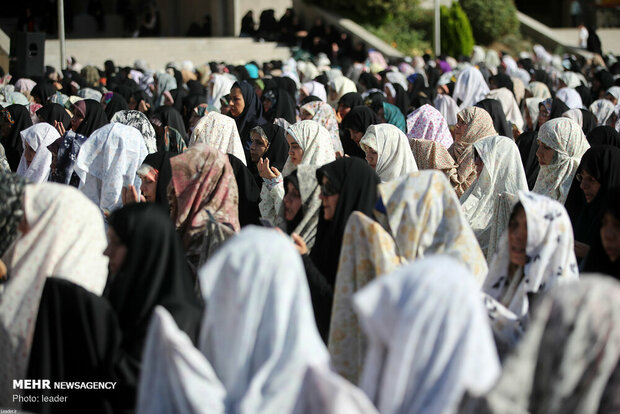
[(586, 179)]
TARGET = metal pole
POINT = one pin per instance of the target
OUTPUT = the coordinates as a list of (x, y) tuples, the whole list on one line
[(61, 33), (437, 30)]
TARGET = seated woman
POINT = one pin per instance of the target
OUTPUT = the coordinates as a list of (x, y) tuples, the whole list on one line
[(258, 339), (499, 170), (88, 116), (422, 214), (47, 229), (535, 254), (347, 185), (13, 120), (406, 370), (220, 132), (598, 175), (427, 123), (325, 115), (604, 256), (108, 161), (268, 143), (203, 185), (299, 212), (561, 144), (246, 109), (139, 121), (155, 174), (309, 144), (169, 130), (36, 159), (357, 122), (388, 152), (388, 113), (472, 124), (141, 278), (568, 359)]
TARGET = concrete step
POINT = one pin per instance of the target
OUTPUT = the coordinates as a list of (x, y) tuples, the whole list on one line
[(156, 52)]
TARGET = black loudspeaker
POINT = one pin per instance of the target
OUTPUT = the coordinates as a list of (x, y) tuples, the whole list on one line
[(27, 55)]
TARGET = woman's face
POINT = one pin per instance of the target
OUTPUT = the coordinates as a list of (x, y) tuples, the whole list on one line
[(116, 252), (343, 111), (356, 135), (266, 105), (610, 236), (132, 104), (148, 188), (258, 147), (237, 104), (544, 154), (76, 120), (305, 115), (295, 152), (459, 128), (543, 115), (329, 198), (478, 163), (292, 202), (517, 237), (372, 157), (29, 153), (611, 98), (589, 185)]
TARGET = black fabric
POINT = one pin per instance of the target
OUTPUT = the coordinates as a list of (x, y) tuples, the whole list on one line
[(292, 224), (586, 96), (51, 112), (277, 150), (501, 80), (589, 121), (369, 81), (178, 95), (95, 118), (349, 146), (351, 99), (116, 103), (494, 108), (402, 100), (252, 114), (155, 272), (288, 85), (43, 91), (359, 119), (602, 163), (308, 99), (170, 117), (12, 143), (282, 105), (598, 261), (356, 183), (593, 43), (558, 107), (161, 162), (605, 80), (76, 338), (604, 135), (375, 101), (528, 145), (249, 192)]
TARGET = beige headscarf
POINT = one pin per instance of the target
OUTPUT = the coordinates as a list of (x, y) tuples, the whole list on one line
[(479, 125), (431, 155)]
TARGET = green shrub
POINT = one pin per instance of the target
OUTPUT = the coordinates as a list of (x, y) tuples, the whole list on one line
[(456, 34), (491, 19)]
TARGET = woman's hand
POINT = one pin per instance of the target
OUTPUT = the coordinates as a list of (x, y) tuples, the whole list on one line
[(300, 244), (130, 195), (60, 128), (143, 106), (265, 170)]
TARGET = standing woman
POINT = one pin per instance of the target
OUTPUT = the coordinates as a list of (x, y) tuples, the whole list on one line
[(36, 159), (325, 115), (347, 185), (427, 123), (561, 144), (139, 121), (13, 120), (246, 109), (357, 121), (269, 143), (88, 116), (202, 185), (473, 124), (219, 131)]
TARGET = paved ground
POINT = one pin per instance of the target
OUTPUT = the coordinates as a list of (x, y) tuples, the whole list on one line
[(610, 38)]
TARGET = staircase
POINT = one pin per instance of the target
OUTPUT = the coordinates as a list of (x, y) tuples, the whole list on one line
[(156, 52)]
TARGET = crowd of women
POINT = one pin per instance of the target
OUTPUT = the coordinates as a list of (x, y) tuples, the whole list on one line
[(430, 236)]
